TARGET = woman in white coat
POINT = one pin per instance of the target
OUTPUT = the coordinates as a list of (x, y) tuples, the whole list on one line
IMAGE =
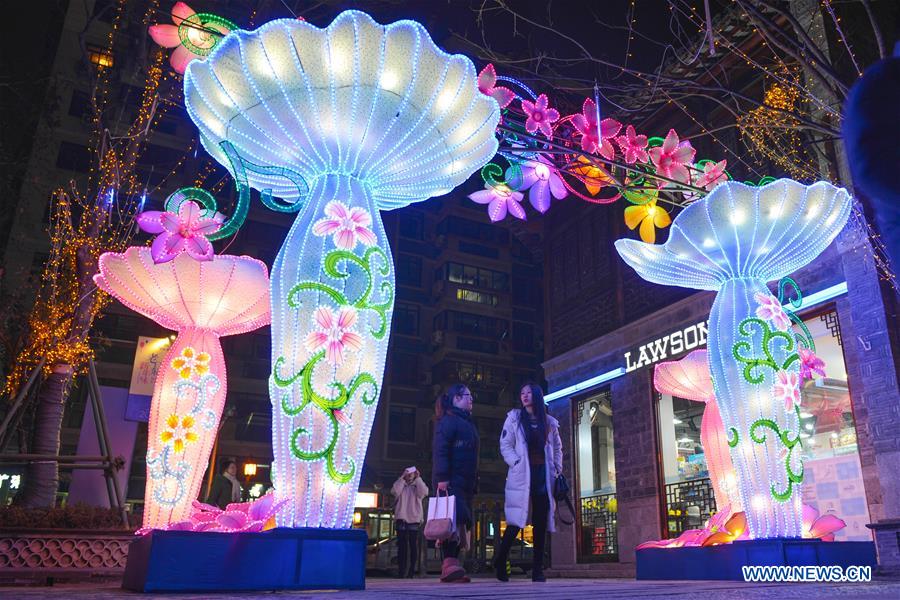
[(532, 449)]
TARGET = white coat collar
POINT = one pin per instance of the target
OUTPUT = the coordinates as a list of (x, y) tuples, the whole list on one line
[(515, 416)]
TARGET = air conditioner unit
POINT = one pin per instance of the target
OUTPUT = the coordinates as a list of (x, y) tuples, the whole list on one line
[(425, 378), (437, 337)]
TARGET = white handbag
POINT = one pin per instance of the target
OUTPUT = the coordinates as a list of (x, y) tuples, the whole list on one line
[(441, 522)]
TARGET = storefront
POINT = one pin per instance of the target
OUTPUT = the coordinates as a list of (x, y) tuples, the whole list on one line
[(634, 456)]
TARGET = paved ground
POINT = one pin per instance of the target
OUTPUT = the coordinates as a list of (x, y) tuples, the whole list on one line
[(484, 588)]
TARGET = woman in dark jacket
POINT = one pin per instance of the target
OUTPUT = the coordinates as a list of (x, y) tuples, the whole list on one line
[(225, 487), (454, 469)]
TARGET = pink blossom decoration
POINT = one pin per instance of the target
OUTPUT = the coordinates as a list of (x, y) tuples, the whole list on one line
[(341, 417), (633, 146), (500, 200), (199, 36), (821, 528), (542, 180), (770, 309), (713, 174), (787, 388), (586, 124), (487, 85), (335, 332), (257, 515), (539, 115), (672, 158), (185, 231), (347, 225), (726, 527), (810, 364), (697, 537)]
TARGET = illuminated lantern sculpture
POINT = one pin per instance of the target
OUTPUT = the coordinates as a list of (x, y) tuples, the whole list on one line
[(372, 118), (734, 241), (689, 378), (202, 300)]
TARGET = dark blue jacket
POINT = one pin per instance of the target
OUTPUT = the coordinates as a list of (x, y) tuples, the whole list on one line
[(455, 452)]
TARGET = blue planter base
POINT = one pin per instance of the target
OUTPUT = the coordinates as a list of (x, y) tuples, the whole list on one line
[(280, 559), (725, 562)]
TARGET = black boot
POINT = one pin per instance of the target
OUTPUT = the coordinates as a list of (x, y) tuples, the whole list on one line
[(537, 573), (502, 554)]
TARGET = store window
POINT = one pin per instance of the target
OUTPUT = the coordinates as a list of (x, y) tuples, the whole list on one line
[(832, 481), (688, 497), (596, 474)]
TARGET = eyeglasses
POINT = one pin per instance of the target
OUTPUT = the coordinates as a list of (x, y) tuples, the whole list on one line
[(466, 395)]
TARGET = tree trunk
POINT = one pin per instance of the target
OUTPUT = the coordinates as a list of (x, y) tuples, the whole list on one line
[(42, 478)]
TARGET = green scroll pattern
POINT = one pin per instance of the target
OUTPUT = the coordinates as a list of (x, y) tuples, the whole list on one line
[(336, 265), (790, 443)]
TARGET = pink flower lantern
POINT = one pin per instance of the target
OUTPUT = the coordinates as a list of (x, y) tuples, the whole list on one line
[(690, 378), (673, 158), (258, 515), (202, 301), (500, 199)]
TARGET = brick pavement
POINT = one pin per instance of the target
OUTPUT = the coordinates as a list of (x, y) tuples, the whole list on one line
[(482, 589)]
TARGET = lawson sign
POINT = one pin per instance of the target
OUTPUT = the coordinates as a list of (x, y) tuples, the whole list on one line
[(672, 345)]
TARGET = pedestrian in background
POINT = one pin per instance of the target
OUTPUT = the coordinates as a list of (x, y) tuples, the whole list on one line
[(455, 470), (225, 488), (409, 490), (532, 449)]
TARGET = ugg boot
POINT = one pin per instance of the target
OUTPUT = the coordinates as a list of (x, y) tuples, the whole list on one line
[(451, 571)]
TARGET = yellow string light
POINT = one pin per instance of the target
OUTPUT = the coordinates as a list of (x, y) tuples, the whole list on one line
[(83, 225)]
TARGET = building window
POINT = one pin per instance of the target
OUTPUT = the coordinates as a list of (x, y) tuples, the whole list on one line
[(525, 292), (73, 157), (476, 345), (523, 337), (411, 225), (402, 424), (688, 494), (832, 479), (102, 57), (409, 270), (476, 276), (478, 250), (473, 230), (80, 104), (404, 368), (406, 319), (462, 322), (477, 297), (596, 474)]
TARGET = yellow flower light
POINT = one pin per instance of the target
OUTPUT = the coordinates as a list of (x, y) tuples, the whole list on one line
[(649, 216), (593, 177), (191, 363), (179, 432)]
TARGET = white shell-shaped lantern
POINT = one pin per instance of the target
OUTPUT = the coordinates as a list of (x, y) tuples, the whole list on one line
[(381, 103), (740, 230)]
